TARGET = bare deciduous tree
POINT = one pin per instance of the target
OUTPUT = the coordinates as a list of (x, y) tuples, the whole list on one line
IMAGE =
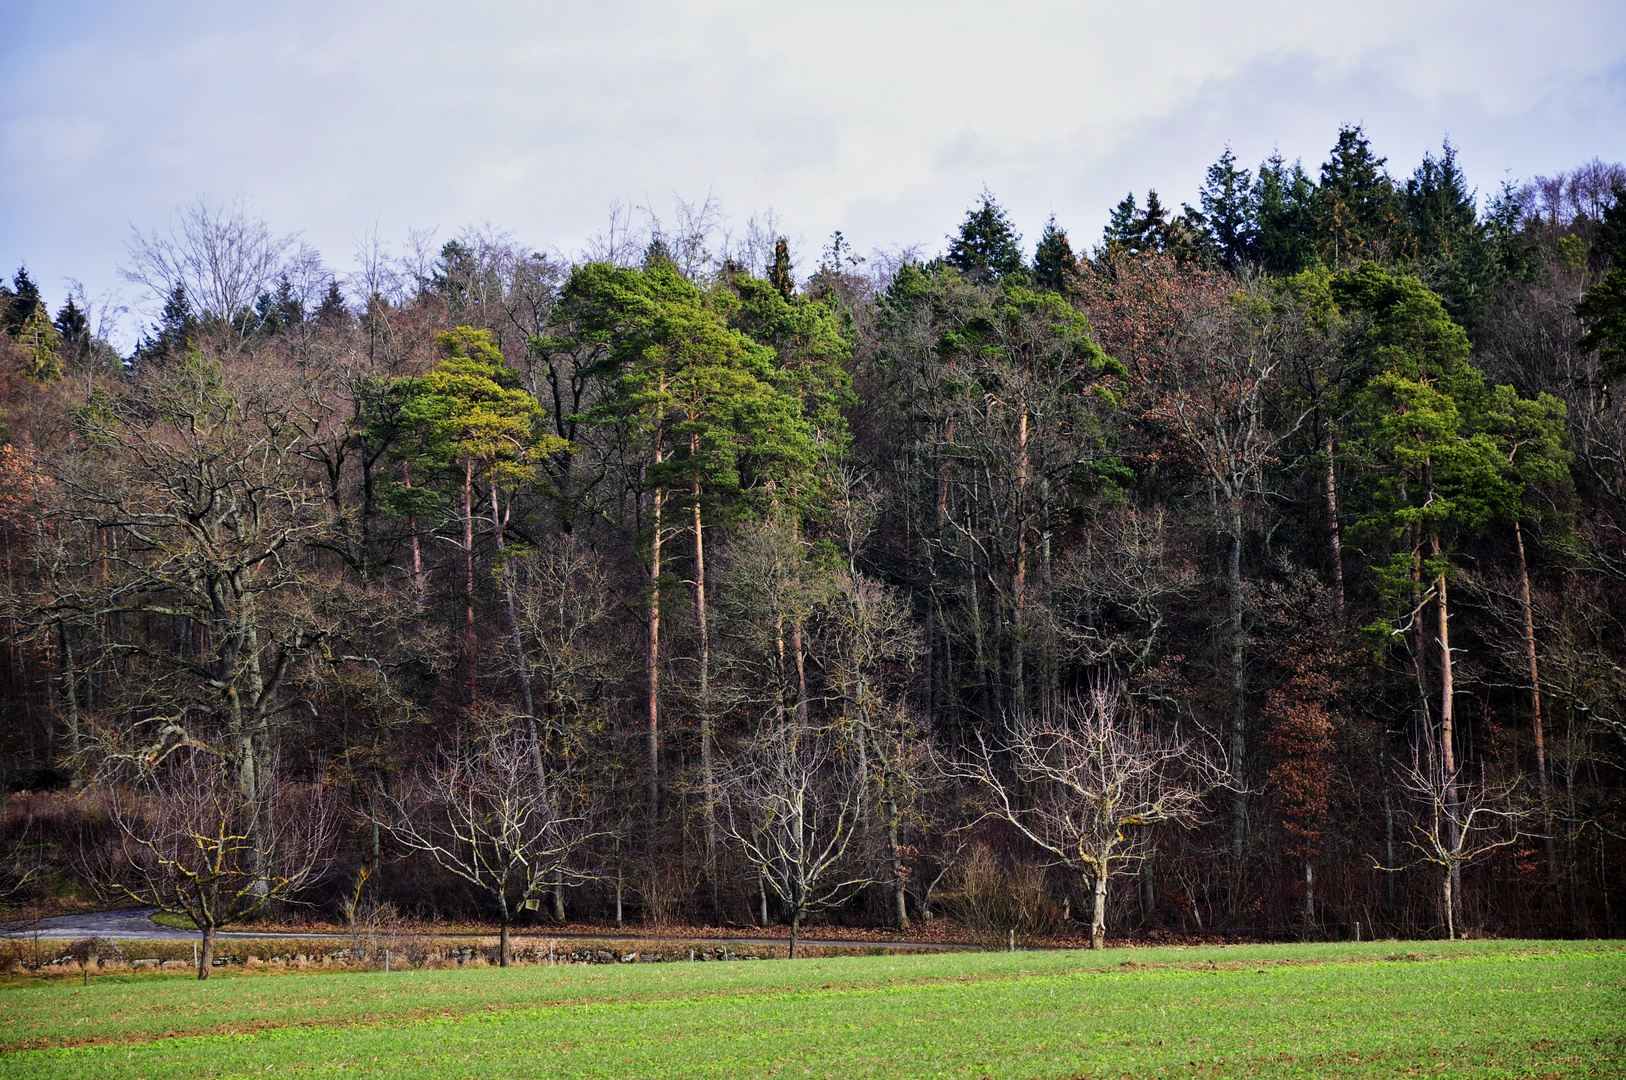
[(488, 814), (221, 256), (188, 840), (1087, 787), (793, 801), (1454, 822)]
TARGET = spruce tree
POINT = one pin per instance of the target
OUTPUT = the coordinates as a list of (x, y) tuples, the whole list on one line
[(1054, 264), (987, 245), (1228, 202)]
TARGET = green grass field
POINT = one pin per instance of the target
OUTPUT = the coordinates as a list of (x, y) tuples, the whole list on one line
[(1465, 1009)]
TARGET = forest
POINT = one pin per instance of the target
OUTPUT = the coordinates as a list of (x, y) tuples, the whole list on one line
[(1256, 572)]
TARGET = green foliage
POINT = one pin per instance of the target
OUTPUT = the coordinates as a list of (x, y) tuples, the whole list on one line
[(18, 304), (1054, 264), (1284, 198), (987, 244), (710, 398), (781, 275), (44, 345), (1359, 207), (1603, 310), (471, 408), (1228, 201)]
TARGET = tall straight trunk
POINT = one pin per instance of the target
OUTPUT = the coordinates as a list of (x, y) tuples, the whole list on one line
[(1388, 826), (795, 931), (1239, 719), (1334, 542), (762, 897), (71, 696), (1309, 897), (417, 549), (1535, 703), (1019, 580), (708, 777), (1448, 757), (654, 672), (900, 910), (468, 574), (206, 955), (499, 523), (558, 901), (801, 672), (502, 943)]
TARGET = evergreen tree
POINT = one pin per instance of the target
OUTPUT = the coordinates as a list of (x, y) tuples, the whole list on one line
[(332, 311), (1603, 310), (44, 359), (176, 329), (1054, 264), (73, 325), (782, 275), (1228, 202), (987, 245), (1121, 226), (1284, 199), (1359, 214), (24, 299)]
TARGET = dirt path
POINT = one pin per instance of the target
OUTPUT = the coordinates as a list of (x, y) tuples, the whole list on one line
[(136, 924)]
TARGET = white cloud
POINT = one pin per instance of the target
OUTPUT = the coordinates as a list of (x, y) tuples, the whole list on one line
[(882, 119)]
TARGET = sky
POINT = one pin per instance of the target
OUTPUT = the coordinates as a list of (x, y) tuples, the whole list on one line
[(884, 119)]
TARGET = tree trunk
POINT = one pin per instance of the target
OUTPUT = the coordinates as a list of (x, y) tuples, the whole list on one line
[(1448, 755), (900, 910), (558, 901), (1535, 704), (521, 674), (206, 956), (1239, 798), (1309, 898), (1098, 921), (708, 777), (468, 575), (1448, 901), (654, 672), (1019, 580), (762, 895), (417, 550), (801, 671), (502, 943), (1334, 542), (795, 932)]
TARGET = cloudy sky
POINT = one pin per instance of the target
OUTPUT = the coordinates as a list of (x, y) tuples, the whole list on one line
[(882, 119)]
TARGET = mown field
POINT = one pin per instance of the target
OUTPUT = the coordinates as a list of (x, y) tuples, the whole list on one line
[(1491, 1009)]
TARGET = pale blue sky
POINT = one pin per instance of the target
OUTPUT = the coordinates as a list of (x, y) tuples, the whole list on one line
[(883, 119)]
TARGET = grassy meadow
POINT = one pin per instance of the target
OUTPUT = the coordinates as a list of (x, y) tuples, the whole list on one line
[(1479, 1009)]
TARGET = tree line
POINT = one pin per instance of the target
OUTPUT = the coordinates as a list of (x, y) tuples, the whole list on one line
[(1258, 571)]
